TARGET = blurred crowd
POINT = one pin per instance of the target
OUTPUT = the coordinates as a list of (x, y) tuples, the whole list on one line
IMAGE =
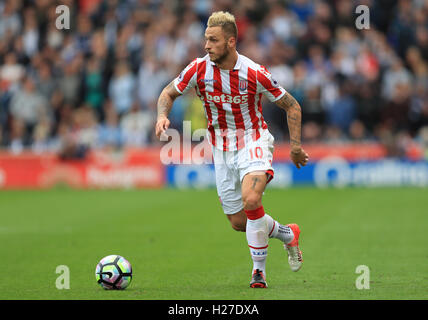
[(96, 84)]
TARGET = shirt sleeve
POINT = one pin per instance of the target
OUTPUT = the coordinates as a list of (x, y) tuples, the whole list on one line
[(187, 78), (268, 85)]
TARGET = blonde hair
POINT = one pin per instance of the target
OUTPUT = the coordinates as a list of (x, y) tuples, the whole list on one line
[(226, 21)]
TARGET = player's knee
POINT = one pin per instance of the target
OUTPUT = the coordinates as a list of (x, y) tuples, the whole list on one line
[(238, 227), (238, 221), (252, 201)]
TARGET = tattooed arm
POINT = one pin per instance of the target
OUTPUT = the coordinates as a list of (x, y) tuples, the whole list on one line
[(294, 120), (165, 101)]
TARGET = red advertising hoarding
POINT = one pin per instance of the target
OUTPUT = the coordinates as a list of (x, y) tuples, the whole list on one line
[(130, 169), (141, 168)]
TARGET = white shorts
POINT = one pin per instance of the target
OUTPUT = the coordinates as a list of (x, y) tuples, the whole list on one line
[(232, 166)]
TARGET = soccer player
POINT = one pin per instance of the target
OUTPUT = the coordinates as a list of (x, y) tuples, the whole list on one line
[(231, 87)]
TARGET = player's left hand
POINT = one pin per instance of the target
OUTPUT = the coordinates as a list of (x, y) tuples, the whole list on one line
[(299, 157)]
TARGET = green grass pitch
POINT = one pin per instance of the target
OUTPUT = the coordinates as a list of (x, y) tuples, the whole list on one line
[(181, 246)]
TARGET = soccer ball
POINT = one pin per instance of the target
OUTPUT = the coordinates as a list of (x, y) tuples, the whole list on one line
[(113, 272)]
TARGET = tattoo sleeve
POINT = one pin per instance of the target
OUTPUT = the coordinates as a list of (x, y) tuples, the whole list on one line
[(294, 118), (166, 99)]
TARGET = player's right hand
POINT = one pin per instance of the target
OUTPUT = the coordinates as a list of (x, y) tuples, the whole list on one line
[(161, 125)]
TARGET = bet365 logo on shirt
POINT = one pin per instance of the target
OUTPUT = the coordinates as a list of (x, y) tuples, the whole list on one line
[(226, 98)]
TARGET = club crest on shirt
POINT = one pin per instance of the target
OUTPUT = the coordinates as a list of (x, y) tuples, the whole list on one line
[(243, 84)]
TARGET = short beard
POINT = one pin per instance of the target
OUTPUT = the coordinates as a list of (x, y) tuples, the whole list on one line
[(223, 57)]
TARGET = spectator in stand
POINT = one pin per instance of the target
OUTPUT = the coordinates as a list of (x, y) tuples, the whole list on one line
[(5, 96), (303, 9), (45, 82), (109, 135), (421, 35), (423, 138), (126, 52), (41, 140), (29, 106), (84, 130), (10, 21), (152, 77), (137, 126), (69, 81), (368, 102), (313, 110), (122, 88), (284, 24), (418, 66), (93, 85), (394, 76), (31, 35), (418, 114), (83, 34), (11, 72), (395, 112), (311, 132), (358, 132), (342, 112), (17, 136)]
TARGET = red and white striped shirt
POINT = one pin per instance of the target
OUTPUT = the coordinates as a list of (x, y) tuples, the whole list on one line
[(232, 98)]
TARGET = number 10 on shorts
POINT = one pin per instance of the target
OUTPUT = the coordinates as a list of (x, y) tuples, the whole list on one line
[(256, 153)]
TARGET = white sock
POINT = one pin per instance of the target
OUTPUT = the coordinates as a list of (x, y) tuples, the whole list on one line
[(279, 231), (257, 238)]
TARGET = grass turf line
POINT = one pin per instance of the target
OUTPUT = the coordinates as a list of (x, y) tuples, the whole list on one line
[(181, 246)]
